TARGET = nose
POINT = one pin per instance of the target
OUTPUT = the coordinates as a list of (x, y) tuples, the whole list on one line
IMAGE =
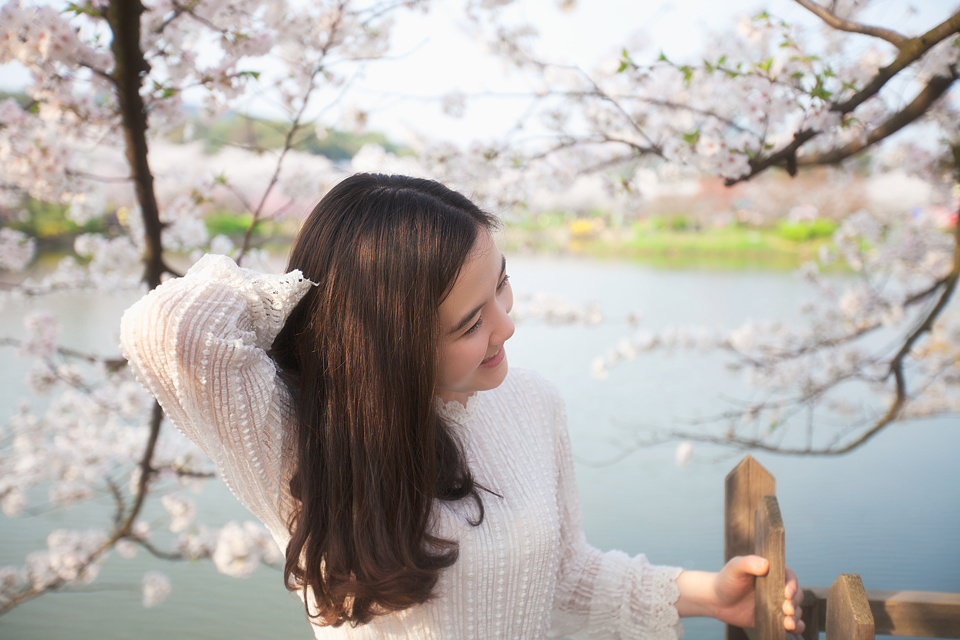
[(507, 329), (505, 326)]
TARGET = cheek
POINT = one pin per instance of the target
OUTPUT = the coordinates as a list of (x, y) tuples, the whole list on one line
[(460, 360)]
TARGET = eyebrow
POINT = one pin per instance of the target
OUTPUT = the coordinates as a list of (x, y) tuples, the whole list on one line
[(467, 318)]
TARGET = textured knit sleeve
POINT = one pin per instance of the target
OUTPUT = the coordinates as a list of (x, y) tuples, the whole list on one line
[(198, 344), (605, 594)]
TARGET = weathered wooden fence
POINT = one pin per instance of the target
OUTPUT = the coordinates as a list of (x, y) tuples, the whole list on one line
[(845, 611)]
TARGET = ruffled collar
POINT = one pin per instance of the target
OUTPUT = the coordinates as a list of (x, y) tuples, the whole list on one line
[(456, 412)]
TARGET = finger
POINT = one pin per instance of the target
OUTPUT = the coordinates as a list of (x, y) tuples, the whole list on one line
[(794, 624), (791, 587), (788, 608), (753, 565)]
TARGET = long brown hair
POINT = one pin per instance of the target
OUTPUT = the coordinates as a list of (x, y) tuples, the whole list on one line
[(360, 356)]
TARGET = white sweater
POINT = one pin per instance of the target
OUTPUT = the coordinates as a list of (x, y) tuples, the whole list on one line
[(198, 344)]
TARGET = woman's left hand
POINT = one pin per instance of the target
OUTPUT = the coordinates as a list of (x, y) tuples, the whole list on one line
[(735, 585)]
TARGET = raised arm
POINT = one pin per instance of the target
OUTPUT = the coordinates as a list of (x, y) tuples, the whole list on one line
[(198, 344)]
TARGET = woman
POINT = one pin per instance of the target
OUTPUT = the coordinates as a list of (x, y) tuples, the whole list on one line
[(360, 406)]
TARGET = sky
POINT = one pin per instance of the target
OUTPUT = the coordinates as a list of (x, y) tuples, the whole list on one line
[(433, 55), (442, 58)]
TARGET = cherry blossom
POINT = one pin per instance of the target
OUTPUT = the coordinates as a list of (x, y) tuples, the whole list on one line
[(16, 249), (156, 588)]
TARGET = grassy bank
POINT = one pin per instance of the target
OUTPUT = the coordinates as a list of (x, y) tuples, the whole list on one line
[(670, 242), (673, 244)]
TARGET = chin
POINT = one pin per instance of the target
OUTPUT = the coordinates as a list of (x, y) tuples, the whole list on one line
[(497, 375), (481, 380)]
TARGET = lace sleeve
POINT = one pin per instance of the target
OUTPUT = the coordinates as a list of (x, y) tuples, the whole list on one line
[(198, 344), (605, 595)]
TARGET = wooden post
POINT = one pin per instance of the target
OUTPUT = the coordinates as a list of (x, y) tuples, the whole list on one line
[(848, 611), (769, 592), (744, 488), (811, 614)]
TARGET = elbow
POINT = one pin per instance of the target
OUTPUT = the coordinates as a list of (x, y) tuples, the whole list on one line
[(142, 330)]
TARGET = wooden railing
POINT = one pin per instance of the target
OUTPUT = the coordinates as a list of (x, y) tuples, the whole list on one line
[(845, 611)]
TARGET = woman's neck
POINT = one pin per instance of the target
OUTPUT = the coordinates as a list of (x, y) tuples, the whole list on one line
[(455, 396)]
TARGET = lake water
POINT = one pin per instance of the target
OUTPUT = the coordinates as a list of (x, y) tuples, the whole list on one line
[(889, 511)]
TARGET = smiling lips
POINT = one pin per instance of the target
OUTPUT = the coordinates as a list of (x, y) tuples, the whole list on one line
[(495, 359)]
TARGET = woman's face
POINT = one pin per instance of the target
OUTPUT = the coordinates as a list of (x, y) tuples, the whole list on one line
[(474, 324)]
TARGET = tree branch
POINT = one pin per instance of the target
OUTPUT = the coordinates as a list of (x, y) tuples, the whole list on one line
[(950, 283), (123, 16), (112, 364), (896, 367), (937, 86), (786, 157), (155, 551), (146, 471), (291, 133), (896, 39), (910, 52)]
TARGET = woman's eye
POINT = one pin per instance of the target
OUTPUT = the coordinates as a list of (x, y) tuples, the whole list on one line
[(476, 325), (503, 282)]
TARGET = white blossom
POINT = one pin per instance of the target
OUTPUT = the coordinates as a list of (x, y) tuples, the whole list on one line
[(235, 555), (598, 368), (155, 589), (181, 510), (683, 454), (42, 333), (125, 549), (16, 249), (221, 244), (454, 104)]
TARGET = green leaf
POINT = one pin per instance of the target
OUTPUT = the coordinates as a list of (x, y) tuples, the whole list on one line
[(687, 72), (625, 61), (692, 138), (819, 91), (662, 57), (85, 9)]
